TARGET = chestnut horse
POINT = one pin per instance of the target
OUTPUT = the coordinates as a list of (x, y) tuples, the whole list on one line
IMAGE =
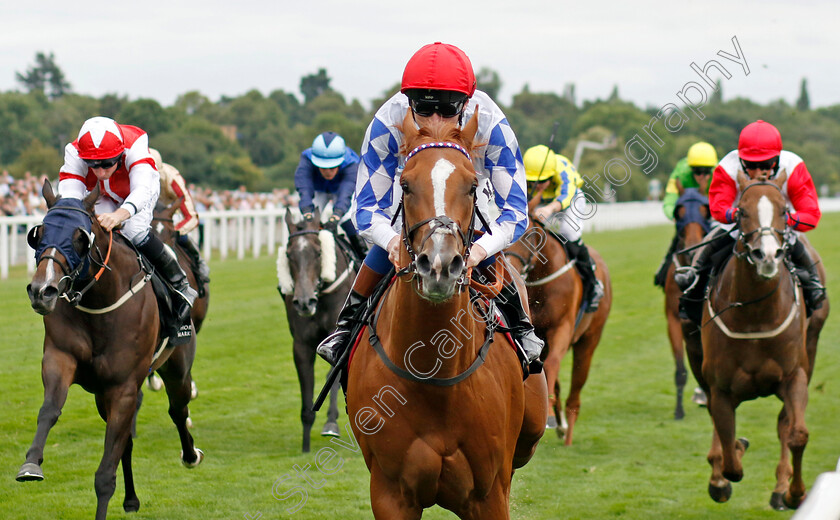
[(691, 219), (456, 417), (314, 278), (101, 327), (757, 342), (555, 293)]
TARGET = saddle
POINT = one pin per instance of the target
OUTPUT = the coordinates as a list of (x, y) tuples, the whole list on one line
[(177, 333)]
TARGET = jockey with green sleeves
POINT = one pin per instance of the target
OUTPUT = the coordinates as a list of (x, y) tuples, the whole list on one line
[(692, 171), (561, 211), (761, 156)]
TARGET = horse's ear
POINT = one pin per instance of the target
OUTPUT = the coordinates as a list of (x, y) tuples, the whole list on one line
[(90, 201), (289, 220), (535, 201), (781, 178), (409, 129), (48, 194), (742, 180), (469, 131), (680, 187), (316, 217), (172, 208)]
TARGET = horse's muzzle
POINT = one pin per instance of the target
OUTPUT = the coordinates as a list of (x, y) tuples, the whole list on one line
[(42, 298)]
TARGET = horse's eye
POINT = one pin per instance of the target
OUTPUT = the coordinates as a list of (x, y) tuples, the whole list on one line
[(405, 189), (473, 188)]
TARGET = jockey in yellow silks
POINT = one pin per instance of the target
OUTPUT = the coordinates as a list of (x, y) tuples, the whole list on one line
[(561, 211)]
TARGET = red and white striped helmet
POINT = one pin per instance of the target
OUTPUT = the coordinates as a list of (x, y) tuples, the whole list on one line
[(100, 138)]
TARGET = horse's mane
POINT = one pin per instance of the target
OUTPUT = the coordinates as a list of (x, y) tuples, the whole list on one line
[(437, 131)]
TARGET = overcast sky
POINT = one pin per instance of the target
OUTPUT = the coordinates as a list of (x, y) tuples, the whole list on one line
[(161, 49)]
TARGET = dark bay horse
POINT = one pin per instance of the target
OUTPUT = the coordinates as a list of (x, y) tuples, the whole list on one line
[(101, 327), (555, 292), (315, 276), (436, 396), (691, 219), (757, 342)]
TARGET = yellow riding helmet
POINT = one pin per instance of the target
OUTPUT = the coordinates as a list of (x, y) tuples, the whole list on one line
[(702, 154), (540, 163)]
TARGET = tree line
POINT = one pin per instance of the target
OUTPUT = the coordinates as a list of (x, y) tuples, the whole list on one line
[(255, 140)]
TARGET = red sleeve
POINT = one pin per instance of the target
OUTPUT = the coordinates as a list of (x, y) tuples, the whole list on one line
[(722, 194), (803, 198)]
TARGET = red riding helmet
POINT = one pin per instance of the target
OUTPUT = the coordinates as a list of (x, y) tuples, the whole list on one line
[(759, 141), (439, 66), (100, 138)]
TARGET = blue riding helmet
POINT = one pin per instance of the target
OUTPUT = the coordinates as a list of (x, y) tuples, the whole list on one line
[(328, 150)]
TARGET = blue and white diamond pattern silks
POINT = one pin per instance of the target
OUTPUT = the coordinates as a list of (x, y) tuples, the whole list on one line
[(500, 172)]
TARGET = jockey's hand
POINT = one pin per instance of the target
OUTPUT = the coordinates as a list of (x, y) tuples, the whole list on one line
[(307, 217), (332, 224), (543, 214), (109, 221), (477, 255), (394, 251)]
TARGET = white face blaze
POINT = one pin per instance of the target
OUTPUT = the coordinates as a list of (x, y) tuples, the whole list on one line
[(440, 173), (50, 276), (769, 243)]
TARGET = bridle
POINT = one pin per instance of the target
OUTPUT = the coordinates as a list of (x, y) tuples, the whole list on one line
[(322, 286), (746, 239), (439, 222)]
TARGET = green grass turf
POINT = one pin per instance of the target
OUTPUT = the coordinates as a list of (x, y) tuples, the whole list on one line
[(630, 458)]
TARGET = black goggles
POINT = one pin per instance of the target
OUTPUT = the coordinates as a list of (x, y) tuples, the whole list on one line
[(701, 170), (427, 108), (767, 164), (102, 163)]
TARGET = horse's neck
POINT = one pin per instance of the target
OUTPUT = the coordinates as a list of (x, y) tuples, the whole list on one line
[(117, 277), (743, 284), (422, 335), (544, 260)]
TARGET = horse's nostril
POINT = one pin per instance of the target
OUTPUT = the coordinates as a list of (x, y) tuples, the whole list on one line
[(456, 267), (424, 266), (313, 302), (757, 254), (780, 253), (49, 292)]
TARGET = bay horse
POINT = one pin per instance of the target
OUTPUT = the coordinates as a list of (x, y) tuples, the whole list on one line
[(314, 277), (101, 327), (757, 341), (456, 418), (555, 293), (691, 219)]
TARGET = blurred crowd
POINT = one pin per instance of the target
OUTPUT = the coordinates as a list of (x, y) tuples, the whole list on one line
[(23, 197)]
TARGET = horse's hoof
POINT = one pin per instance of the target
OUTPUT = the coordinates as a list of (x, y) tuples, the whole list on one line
[(331, 430), (131, 506), (720, 494), (777, 501), (561, 432), (699, 398), (193, 390), (551, 423), (679, 413), (199, 456), (29, 471), (791, 502), (744, 442), (154, 382)]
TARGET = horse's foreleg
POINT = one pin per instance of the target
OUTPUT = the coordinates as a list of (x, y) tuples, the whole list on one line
[(583, 351), (331, 426), (783, 468), (495, 505), (57, 372), (120, 405), (557, 343), (722, 411), (796, 398), (131, 503), (720, 489), (305, 365), (675, 336), (387, 501)]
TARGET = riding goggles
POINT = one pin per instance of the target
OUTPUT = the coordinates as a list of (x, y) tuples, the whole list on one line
[(102, 163), (427, 108), (767, 164), (701, 170)]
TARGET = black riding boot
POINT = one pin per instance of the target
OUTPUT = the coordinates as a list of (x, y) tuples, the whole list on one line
[(334, 345), (519, 323), (687, 276), (593, 290), (195, 255), (358, 244), (812, 288), (166, 263), (659, 278)]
